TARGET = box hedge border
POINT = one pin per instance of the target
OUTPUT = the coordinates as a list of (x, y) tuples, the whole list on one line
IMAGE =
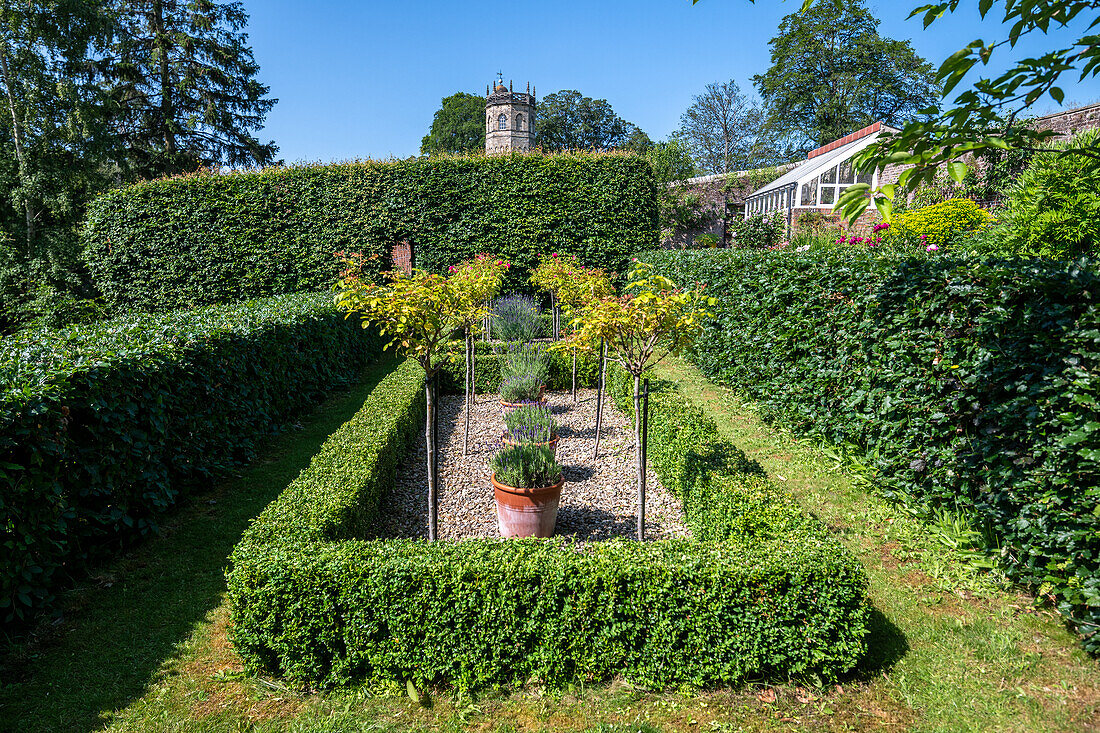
[(966, 383), (208, 238), (102, 427), (768, 592)]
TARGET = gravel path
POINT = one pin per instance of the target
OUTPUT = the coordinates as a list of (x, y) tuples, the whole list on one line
[(597, 501)]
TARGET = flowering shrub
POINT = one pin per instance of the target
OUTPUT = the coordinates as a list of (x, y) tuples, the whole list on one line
[(758, 232), (941, 224)]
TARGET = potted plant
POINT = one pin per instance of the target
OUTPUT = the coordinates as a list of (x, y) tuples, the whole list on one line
[(521, 390), (527, 485), (523, 376), (531, 424)]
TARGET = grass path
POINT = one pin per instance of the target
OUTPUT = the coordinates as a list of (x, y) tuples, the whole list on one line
[(979, 656), (144, 645)]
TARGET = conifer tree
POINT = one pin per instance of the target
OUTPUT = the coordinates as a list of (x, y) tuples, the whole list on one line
[(182, 81)]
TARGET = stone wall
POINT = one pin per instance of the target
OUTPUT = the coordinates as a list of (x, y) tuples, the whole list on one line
[(1071, 121), (722, 197)]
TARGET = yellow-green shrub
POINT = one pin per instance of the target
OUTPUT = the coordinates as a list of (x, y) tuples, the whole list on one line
[(939, 224)]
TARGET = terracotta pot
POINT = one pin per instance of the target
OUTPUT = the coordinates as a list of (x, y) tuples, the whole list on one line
[(509, 406), (527, 512), (552, 444)]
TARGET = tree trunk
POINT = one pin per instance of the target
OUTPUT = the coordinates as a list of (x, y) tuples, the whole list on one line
[(469, 393), (574, 375), (639, 459), (429, 437), (167, 113), (555, 326), (599, 401), (20, 151)]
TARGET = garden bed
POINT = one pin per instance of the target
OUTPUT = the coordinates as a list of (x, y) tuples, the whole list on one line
[(598, 502)]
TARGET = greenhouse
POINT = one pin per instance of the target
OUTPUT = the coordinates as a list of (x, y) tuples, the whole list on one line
[(820, 180)]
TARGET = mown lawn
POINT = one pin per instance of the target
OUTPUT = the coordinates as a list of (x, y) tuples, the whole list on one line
[(142, 647)]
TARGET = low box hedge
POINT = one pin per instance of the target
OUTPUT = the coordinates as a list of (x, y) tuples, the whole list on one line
[(488, 364), (103, 426), (319, 607), (966, 383)]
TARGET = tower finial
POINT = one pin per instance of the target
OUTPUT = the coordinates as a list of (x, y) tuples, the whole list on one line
[(509, 85), (528, 87)]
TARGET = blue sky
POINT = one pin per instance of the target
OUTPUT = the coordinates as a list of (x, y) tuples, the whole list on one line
[(363, 79)]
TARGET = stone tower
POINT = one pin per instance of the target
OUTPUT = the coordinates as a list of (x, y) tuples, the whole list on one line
[(509, 119)]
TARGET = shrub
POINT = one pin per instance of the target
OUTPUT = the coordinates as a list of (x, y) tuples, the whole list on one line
[(758, 231), (942, 224), (320, 607), (525, 466), (102, 427), (966, 383), (1053, 209), (516, 318), (215, 238)]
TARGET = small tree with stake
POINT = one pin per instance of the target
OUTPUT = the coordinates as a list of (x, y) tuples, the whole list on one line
[(579, 287), (419, 312), (650, 321), (550, 276), (477, 281)]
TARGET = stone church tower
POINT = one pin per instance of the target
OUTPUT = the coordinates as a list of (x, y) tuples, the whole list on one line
[(509, 119)]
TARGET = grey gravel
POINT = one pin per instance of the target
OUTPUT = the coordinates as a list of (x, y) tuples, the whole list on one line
[(598, 501)]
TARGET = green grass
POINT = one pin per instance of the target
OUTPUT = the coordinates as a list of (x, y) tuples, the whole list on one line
[(954, 648)]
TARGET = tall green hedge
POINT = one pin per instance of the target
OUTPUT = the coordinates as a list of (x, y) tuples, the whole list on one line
[(102, 427), (968, 384), (766, 593), (220, 238)]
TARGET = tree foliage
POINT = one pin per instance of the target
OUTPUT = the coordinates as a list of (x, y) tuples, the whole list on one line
[(832, 73), (457, 127), (183, 87), (567, 120), (723, 130)]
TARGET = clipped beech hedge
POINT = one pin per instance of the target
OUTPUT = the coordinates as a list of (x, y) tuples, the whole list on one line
[(202, 239), (103, 426), (971, 384), (312, 603)]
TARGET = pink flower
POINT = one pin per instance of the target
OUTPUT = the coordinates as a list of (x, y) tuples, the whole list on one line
[(451, 268), (878, 239), (923, 237), (931, 248), (554, 255)]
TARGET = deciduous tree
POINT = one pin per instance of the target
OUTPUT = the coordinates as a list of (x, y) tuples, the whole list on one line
[(567, 120), (832, 73), (457, 127), (723, 130)]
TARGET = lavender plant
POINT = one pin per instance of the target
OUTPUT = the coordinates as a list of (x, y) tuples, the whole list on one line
[(531, 424), (526, 467), (525, 360), (516, 318), (521, 388)]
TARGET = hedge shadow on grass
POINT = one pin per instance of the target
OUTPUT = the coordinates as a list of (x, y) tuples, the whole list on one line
[(120, 630)]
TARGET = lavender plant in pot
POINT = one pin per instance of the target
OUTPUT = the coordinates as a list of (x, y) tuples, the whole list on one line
[(531, 424), (527, 483), (523, 376)]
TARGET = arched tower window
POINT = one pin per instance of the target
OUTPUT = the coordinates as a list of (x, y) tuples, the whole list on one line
[(489, 122), (519, 122), (502, 122)]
